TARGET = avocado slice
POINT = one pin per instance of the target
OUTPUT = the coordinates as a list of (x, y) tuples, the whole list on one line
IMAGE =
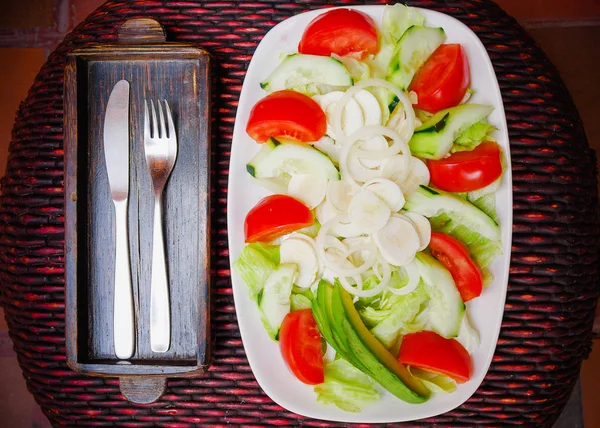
[(377, 370), (329, 325), (412, 387), (336, 322)]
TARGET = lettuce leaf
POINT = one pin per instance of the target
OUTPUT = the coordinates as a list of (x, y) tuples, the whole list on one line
[(346, 387), (299, 302), (473, 136), (396, 315), (481, 249), (397, 19), (468, 336), (379, 63), (358, 70), (487, 204), (254, 265)]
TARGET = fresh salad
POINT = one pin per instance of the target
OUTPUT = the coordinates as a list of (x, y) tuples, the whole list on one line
[(382, 222)]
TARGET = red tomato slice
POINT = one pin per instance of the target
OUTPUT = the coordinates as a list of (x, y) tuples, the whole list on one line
[(443, 80), (287, 114), (300, 344), (275, 216), (344, 32), (467, 171), (429, 351), (454, 255)]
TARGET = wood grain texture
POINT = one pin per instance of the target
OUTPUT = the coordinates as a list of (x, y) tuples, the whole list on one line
[(180, 74), (143, 390), (140, 31)]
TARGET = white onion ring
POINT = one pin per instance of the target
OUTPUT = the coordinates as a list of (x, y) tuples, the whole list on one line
[(356, 291), (333, 266), (402, 97), (413, 280), (399, 145)]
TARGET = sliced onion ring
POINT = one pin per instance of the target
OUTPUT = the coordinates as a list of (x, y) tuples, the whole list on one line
[(372, 82), (337, 269)]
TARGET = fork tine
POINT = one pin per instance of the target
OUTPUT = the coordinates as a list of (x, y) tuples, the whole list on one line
[(146, 121), (155, 124), (170, 123), (161, 122)]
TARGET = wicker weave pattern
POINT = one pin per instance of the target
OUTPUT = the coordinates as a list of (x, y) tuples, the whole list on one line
[(553, 285)]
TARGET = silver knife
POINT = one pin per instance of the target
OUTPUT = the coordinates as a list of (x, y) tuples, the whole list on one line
[(116, 155)]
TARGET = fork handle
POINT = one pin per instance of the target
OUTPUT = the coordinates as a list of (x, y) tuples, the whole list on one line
[(123, 326), (160, 317)]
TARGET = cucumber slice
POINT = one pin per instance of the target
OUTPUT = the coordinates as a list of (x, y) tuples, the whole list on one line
[(262, 154), (273, 185), (411, 52), (293, 159), (434, 139), (430, 203), (307, 74), (274, 302), (446, 308)]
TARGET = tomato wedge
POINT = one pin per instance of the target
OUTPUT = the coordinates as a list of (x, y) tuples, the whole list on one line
[(275, 216), (344, 32), (429, 351), (467, 171), (287, 114), (443, 80), (454, 255), (300, 345)]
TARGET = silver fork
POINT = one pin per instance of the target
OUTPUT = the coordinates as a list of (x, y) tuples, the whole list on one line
[(160, 147)]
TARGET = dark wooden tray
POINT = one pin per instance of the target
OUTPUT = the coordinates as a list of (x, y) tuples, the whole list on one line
[(155, 69)]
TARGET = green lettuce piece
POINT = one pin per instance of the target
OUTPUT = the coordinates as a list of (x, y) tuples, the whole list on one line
[(473, 136), (485, 199), (397, 19), (401, 316), (382, 96), (299, 302), (368, 284), (486, 277), (311, 231), (481, 249), (379, 63), (346, 387), (398, 279), (358, 70), (487, 204), (423, 115), (254, 265)]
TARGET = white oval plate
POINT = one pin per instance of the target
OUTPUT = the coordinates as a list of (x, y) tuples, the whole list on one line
[(485, 311)]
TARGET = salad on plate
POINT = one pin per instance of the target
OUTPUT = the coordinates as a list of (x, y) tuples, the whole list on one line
[(381, 222)]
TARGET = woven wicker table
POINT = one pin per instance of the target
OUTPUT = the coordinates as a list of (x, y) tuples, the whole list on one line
[(553, 288)]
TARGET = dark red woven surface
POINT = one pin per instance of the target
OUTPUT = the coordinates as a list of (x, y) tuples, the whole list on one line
[(553, 288)]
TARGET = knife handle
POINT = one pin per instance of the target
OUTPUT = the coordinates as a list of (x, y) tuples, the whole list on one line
[(123, 304), (160, 316)]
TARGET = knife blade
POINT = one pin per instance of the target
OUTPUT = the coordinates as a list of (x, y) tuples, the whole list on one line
[(116, 156)]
